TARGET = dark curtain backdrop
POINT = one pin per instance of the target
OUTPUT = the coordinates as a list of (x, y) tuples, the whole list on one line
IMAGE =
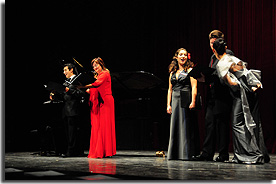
[(131, 36), (249, 27)]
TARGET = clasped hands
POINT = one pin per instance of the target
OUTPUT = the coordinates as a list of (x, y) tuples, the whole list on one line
[(255, 88)]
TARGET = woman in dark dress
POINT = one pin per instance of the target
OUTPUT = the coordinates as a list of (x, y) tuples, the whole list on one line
[(248, 141), (184, 134)]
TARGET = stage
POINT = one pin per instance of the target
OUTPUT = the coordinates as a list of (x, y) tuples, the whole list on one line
[(129, 165)]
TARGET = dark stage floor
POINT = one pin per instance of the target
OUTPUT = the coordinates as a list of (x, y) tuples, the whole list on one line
[(129, 165)]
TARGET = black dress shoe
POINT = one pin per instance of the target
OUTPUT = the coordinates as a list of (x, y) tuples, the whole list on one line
[(221, 159), (201, 158), (43, 153), (57, 154), (63, 155)]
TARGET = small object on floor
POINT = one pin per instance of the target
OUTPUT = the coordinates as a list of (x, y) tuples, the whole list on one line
[(160, 153)]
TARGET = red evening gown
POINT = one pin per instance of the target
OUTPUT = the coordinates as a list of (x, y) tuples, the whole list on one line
[(103, 138)]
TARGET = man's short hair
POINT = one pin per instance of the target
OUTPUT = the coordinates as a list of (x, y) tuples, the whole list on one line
[(70, 66), (216, 34)]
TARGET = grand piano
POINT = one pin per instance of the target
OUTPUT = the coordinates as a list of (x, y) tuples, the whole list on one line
[(140, 111)]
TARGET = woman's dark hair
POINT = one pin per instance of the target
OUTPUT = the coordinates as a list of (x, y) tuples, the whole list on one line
[(219, 46), (173, 67)]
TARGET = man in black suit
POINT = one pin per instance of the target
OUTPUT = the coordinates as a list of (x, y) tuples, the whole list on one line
[(219, 103), (71, 113)]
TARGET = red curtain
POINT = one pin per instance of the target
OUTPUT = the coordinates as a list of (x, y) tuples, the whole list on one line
[(249, 27)]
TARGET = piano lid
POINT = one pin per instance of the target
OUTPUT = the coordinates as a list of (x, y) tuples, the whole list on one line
[(136, 80)]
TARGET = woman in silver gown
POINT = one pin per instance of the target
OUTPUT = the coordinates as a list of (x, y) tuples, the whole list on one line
[(248, 141), (181, 101)]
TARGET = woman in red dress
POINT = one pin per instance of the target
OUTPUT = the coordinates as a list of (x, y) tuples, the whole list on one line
[(103, 138)]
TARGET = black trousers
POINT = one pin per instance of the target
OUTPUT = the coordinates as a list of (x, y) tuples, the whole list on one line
[(216, 133), (73, 135)]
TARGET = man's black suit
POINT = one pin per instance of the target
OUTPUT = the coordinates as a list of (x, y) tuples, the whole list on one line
[(71, 112), (218, 109)]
